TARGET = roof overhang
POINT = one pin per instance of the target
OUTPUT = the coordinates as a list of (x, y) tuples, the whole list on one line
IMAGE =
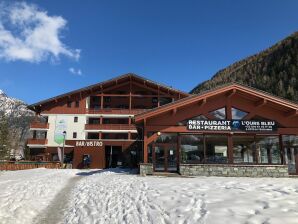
[(108, 83), (228, 89)]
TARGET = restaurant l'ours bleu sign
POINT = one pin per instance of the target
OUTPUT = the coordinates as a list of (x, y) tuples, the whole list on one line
[(232, 125)]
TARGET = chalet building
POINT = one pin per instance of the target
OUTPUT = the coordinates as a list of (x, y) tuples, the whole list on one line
[(233, 130), (98, 122)]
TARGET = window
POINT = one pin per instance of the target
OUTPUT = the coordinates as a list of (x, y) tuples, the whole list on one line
[(219, 113), (68, 103), (192, 148), (244, 149), (107, 99), (267, 149), (150, 153), (167, 138), (238, 114), (256, 149), (74, 135), (77, 103), (216, 148), (92, 135), (106, 121), (95, 99), (154, 100), (75, 119), (290, 143), (164, 100)]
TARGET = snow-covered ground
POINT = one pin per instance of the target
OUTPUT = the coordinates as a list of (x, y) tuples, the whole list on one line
[(25, 194), (117, 197)]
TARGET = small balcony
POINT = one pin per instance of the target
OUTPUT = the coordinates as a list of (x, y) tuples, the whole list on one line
[(36, 141), (110, 127), (39, 125)]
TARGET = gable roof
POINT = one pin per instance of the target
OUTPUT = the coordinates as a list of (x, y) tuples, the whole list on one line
[(127, 76), (218, 90)]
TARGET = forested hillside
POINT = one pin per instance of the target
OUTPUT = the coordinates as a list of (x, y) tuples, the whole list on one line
[(274, 70)]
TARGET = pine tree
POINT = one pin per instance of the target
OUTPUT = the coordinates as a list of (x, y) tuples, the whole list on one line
[(4, 135)]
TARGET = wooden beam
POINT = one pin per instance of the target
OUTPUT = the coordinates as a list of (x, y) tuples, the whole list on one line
[(209, 116), (257, 105), (174, 111), (202, 102), (261, 103), (152, 138), (292, 113), (148, 87), (231, 93)]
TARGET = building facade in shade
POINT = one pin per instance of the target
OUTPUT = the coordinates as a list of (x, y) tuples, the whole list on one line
[(98, 121), (232, 130)]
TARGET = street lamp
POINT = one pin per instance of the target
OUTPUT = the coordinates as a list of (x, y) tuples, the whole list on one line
[(62, 160)]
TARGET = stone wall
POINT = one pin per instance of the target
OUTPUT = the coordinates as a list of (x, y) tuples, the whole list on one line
[(234, 170), (146, 169)]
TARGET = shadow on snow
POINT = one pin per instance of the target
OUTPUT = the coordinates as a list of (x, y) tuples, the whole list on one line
[(112, 170)]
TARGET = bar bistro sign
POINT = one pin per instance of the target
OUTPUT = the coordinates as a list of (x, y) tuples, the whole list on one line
[(89, 143), (231, 125)]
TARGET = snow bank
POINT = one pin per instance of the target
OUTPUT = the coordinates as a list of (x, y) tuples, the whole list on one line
[(24, 194), (113, 197)]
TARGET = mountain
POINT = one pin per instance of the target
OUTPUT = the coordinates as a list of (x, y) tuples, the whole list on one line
[(15, 119), (13, 107), (274, 70)]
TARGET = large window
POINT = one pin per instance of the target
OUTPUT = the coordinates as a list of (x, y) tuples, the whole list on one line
[(219, 113), (216, 148), (167, 138), (192, 148), (244, 149), (238, 114), (290, 143), (268, 150), (256, 149)]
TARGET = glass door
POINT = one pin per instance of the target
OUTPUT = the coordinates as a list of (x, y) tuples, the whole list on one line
[(160, 159), (165, 157), (291, 158), (172, 159)]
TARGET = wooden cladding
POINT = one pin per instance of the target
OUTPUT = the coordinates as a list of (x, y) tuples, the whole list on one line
[(114, 111), (27, 165), (109, 127), (37, 141), (39, 125)]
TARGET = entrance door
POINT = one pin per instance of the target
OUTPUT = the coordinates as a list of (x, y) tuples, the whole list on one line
[(165, 157), (113, 156), (291, 158)]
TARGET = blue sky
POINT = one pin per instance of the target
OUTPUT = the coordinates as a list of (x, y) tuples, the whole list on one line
[(178, 43)]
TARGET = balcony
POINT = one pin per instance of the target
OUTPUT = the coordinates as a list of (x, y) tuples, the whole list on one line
[(39, 125), (35, 141), (110, 127), (114, 111)]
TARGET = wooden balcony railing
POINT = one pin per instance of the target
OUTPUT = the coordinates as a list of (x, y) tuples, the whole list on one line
[(34, 141), (114, 111), (39, 125), (110, 127)]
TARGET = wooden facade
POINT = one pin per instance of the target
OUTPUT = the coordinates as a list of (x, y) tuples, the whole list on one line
[(222, 103), (108, 109)]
